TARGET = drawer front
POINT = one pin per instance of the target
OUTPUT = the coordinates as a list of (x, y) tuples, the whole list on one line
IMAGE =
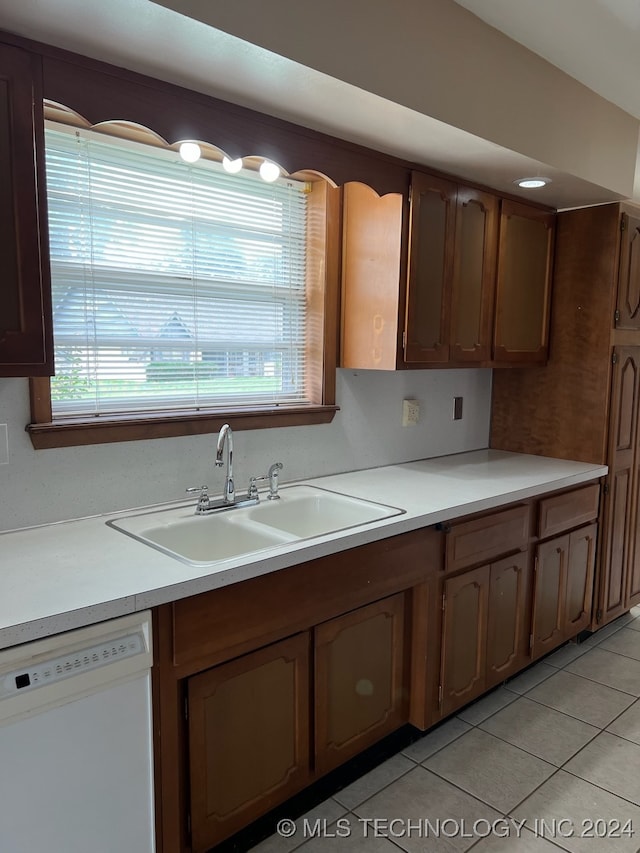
[(570, 509), (481, 540)]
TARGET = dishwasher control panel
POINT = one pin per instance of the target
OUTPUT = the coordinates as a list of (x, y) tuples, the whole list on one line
[(53, 669)]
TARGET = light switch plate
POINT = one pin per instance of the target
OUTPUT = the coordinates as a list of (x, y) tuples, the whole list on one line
[(4, 445)]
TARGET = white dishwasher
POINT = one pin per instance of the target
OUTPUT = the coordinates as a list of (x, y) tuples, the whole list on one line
[(76, 761)]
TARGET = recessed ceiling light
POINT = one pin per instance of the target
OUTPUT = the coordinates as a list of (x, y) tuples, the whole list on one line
[(190, 151), (532, 183)]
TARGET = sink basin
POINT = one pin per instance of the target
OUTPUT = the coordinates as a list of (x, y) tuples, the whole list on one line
[(307, 511), (302, 512)]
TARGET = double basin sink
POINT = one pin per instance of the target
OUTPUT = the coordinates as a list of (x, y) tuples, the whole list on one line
[(302, 512)]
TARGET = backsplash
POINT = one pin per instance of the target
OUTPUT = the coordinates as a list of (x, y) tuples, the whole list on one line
[(52, 485)]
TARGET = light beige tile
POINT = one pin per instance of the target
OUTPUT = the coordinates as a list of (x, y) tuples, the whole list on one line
[(628, 724), (623, 642), (374, 781), (602, 633), (522, 683), (487, 705), (518, 840), (635, 624), (621, 673), (490, 769), (323, 815), (543, 732), (421, 795), (573, 803), (611, 763), (436, 739), (566, 654), (577, 696)]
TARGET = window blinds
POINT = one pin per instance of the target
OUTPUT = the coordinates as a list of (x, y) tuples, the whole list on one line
[(175, 286)]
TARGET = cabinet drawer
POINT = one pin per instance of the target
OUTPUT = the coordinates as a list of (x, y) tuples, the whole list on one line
[(480, 540), (570, 509)]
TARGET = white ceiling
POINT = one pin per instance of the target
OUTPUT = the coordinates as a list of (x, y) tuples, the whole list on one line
[(146, 37)]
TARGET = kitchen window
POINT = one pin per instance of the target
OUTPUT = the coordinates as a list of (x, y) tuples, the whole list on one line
[(182, 295)]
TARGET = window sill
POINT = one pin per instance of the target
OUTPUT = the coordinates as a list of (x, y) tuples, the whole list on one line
[(75, 432)]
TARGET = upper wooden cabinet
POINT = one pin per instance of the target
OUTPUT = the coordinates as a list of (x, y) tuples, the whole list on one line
[(523, 286), (477, 271), (628, 308), (26, 347)]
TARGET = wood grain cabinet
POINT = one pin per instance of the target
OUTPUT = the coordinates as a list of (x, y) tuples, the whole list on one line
[(584, 404), (248, 738), (477, 272), (26, 343), (361, 680)]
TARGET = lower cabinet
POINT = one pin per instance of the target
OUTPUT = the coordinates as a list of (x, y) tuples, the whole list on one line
[(563, 588), (361, 687), (484, 635), (248, 732)]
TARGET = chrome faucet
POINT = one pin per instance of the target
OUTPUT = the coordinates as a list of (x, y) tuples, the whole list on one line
[(225, 437)]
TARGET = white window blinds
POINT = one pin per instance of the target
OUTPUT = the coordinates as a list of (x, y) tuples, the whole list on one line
[(175, 286)]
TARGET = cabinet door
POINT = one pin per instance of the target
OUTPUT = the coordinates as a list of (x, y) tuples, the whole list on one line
[(550, 583), (25, 311), (523, 284), (371, 250), (431, 241), (619, 532), (580, 565), (507, 627), (464, 638), (361, 680), (248, 738), (628, 314), (474, 273)]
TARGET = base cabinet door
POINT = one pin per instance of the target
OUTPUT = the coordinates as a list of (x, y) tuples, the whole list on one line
[(550, 581), (507, 626), (464, 636), (361, 680), (580, 568), (248, 738)]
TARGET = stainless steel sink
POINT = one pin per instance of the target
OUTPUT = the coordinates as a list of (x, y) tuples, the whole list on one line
[(302, 512)]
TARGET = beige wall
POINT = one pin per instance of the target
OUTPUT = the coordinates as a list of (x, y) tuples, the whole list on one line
[(435, 57)]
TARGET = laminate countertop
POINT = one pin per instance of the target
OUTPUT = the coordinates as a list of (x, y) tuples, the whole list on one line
[(61, 576)]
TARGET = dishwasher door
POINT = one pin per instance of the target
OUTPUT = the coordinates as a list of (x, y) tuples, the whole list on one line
[(76, 765)]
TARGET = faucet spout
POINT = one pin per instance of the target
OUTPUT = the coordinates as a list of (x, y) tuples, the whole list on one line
[(225, 438)]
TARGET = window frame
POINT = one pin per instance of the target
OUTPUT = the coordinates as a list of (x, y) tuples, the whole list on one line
[(323, 247)]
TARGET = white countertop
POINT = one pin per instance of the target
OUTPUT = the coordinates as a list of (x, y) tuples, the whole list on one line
[(61, 576)]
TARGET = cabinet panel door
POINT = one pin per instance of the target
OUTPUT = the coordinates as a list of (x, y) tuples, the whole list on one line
[(248, 738), (25, 309), (523, 284), (464, 637), (361, 680), (371, 249), (507, 627), (617, 555), (582, 555), (431, 240), (550, 581), (474, 273), (629, 275)]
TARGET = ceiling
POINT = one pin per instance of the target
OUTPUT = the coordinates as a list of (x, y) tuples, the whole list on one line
[(603, 52)]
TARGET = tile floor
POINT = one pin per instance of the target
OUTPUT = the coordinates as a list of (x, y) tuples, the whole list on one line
[(550, 761)]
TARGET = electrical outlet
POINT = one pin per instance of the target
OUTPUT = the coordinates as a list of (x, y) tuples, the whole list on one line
[(4, 445), (410, 412), (457, 408)]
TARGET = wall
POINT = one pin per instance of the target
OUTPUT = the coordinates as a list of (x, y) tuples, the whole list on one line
[(51, 485)]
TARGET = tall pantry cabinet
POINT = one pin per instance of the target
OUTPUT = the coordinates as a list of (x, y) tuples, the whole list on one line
[(584, 404)]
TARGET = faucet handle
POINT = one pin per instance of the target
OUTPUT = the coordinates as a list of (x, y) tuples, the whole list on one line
[(203, 498), (197, 489)]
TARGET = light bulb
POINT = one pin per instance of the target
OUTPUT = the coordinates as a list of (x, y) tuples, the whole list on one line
[(232, 166), (532, 183), (190, 152), (269, 172)]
